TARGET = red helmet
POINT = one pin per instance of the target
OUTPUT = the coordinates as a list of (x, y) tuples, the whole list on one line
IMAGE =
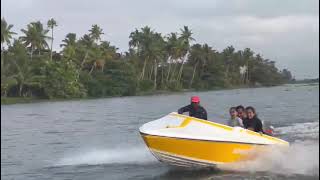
[(195, 99)]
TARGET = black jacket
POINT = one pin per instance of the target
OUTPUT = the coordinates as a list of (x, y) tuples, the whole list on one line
[(254, 123), (200, 112)]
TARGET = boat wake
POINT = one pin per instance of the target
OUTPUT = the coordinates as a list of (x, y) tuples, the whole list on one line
[(302, 157), (109, 156), (301, 131)]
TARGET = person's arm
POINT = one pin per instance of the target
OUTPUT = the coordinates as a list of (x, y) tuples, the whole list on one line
[(184, 109), (258, 127), (245, 125), (205, 114), (240, 122)]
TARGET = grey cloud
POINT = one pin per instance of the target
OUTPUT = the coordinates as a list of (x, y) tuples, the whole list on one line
[(270, 8)]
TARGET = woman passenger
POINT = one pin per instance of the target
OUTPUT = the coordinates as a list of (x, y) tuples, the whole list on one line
[(234, 119), (252, 122)]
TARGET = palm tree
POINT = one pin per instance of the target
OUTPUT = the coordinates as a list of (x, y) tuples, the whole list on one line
[(195, 58), (200, 56), (107, 52), (7, 78), (9, 72), (35, 37), (96, 32), (208, 53), (69, 44), (142, 42), (228, 55), (86, 43), (185, 37), (51, 24), (6, 33), (158, 53), (176, 49), (247, 54), (70, 40), (6, 36), (134, 36), (25, 76), (171, 47), (150, 46)]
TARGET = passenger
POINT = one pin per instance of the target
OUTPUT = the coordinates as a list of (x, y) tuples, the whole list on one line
[(241, 112), (252, 122), (234, 119), (194, 109)]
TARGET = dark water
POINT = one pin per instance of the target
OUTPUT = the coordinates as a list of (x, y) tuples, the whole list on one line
[(98, 139)]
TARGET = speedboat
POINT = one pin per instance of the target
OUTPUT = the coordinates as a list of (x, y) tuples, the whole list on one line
[(182, 140)]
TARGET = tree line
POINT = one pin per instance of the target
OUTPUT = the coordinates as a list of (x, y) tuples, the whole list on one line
[(89, 66)]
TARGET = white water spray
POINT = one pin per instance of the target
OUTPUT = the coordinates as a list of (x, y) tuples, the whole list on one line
[(302, 157), (109, 156)]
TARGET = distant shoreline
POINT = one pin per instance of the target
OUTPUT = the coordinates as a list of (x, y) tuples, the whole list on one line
[(23, 100), (19, 100)]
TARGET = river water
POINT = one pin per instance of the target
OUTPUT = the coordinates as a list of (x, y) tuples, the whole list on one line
[(99, 139)]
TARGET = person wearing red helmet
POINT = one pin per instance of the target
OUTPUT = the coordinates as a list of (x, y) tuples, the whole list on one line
[(194, 109)]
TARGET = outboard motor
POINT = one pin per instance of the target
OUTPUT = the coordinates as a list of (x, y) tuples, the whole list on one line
[(268, 128)]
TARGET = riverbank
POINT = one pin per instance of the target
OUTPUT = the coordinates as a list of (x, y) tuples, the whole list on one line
[(22, 100)]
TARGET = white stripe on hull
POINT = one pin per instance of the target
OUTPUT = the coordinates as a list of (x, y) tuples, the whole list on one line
[(180, 161)]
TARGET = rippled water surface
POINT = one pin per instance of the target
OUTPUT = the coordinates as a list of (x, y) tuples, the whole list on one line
[(99, 139)]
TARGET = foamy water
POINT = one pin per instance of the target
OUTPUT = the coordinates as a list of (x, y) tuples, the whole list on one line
[(302, 157), (124, 155), (308, 130)]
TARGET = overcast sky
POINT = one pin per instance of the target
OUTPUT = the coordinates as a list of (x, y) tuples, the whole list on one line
[(286, 31)]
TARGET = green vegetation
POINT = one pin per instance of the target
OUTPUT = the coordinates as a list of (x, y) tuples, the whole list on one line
[(304, 81), (91, 67)]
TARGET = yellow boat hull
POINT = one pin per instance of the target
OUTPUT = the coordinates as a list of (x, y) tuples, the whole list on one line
[(187, 152), (186, 141)]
